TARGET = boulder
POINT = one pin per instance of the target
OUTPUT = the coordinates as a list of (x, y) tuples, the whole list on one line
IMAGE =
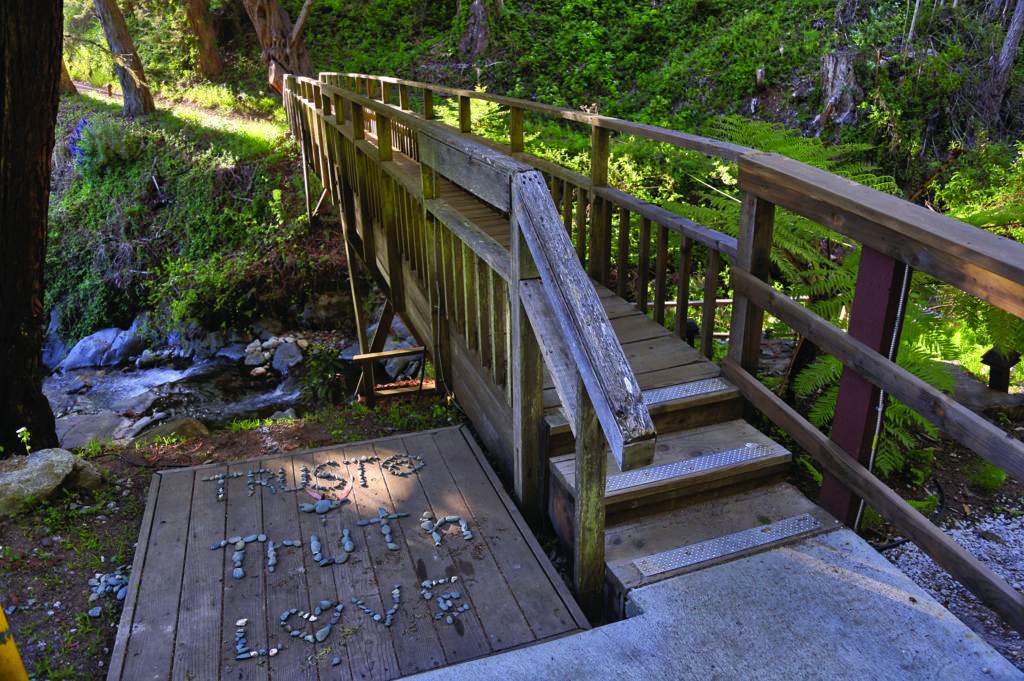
[(89, 351), (286, 356), (267, 328), (234, 352), (79, 430), (127, 344), (182, 429), (254, 358), (24, 479), (284, 415)]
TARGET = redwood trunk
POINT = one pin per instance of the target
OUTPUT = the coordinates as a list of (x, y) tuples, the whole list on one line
[(278, 41), (30, 82), (67, 86), (199, 18), (138, 101), (1004, 64)]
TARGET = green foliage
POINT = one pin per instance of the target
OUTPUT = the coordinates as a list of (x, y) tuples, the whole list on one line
[(245, 425), (323, 382), (986, 476)]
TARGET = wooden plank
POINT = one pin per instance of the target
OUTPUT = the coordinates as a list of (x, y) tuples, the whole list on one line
[(530, 609), (196, 651), (596, 351), (970, 429), (453, 643), (981, 263), (148, 656), (757, 220), (557, 359), (588, 528), (246, 597), (370, 649), (286, 585), (471, 287), (124, 628), (472, 166), (384, 355), (581, 225), (972, 573)]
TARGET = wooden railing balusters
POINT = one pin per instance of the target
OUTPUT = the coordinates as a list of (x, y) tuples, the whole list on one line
[(710, 307), (465, 114), (643, 266), (581, 225), (660, 274), (683, 285), (516, 130), (622, 257)]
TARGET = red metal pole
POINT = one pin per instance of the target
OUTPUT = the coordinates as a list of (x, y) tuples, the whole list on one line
[(874, 321)]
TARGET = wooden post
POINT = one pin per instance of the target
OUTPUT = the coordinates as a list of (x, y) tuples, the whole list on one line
[(465, 118), (683, 284), (873, 321), (527, 366), (516, 130), (599, 140), (591, 470), (403, 96), (428, 104), (643, 264), (707, 323), (385, 91), (757, 222)]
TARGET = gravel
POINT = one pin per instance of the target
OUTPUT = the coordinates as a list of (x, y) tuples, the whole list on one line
[(998, 541)]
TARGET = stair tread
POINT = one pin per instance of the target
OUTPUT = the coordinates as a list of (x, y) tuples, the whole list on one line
[(716, 451), (780, 510)]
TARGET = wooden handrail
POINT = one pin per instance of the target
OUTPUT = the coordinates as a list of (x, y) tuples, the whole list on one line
[(704, 145), (968, 428), (574, 303), (981, 263)]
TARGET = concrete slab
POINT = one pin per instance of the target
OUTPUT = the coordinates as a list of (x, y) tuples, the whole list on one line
[(828, 607)]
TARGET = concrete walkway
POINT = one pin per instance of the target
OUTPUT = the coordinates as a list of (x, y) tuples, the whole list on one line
[(829, 607)]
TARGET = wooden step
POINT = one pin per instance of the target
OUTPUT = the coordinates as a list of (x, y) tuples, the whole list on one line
[(674, 406), (708, 533), (686, 463)]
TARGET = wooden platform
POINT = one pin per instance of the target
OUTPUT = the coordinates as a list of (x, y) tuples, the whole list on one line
[(182, 604)]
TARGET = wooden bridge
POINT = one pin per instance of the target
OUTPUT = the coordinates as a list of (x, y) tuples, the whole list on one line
[(574, 360)]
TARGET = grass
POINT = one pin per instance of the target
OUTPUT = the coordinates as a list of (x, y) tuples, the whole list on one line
[(986, 476)]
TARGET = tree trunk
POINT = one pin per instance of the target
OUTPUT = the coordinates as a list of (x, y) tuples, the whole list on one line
[(138, 101), (279, 40), (474, 40), (67, 86), (199, 18), (1004, 64), (29, 84)]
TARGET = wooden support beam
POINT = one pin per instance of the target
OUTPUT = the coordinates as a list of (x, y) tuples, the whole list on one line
[(757, 221), (591, 478), (428, 104), (599, 145), (878, 296), (527, 369)]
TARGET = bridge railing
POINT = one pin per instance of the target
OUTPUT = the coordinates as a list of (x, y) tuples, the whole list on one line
[(602, 220), (516, 312), (977, 262)]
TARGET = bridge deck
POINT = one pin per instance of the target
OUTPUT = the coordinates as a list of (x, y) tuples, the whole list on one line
[(183, 603)]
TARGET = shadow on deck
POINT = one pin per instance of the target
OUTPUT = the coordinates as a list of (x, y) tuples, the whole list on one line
[(180, 615)]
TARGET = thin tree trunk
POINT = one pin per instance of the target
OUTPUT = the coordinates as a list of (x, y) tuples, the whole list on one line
[(279, 40), (138, 101), (198, 12), (913, 26), (1004, 64), (67, 86), (30, 88)]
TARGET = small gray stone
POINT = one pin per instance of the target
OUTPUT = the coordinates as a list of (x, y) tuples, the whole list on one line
[(322, 506), (323, 633), (95, 612), (238, 573), (335, 661)]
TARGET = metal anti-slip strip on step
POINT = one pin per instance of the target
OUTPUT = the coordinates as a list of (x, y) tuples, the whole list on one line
[(677, 392), (719, 547), (652, 474)]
